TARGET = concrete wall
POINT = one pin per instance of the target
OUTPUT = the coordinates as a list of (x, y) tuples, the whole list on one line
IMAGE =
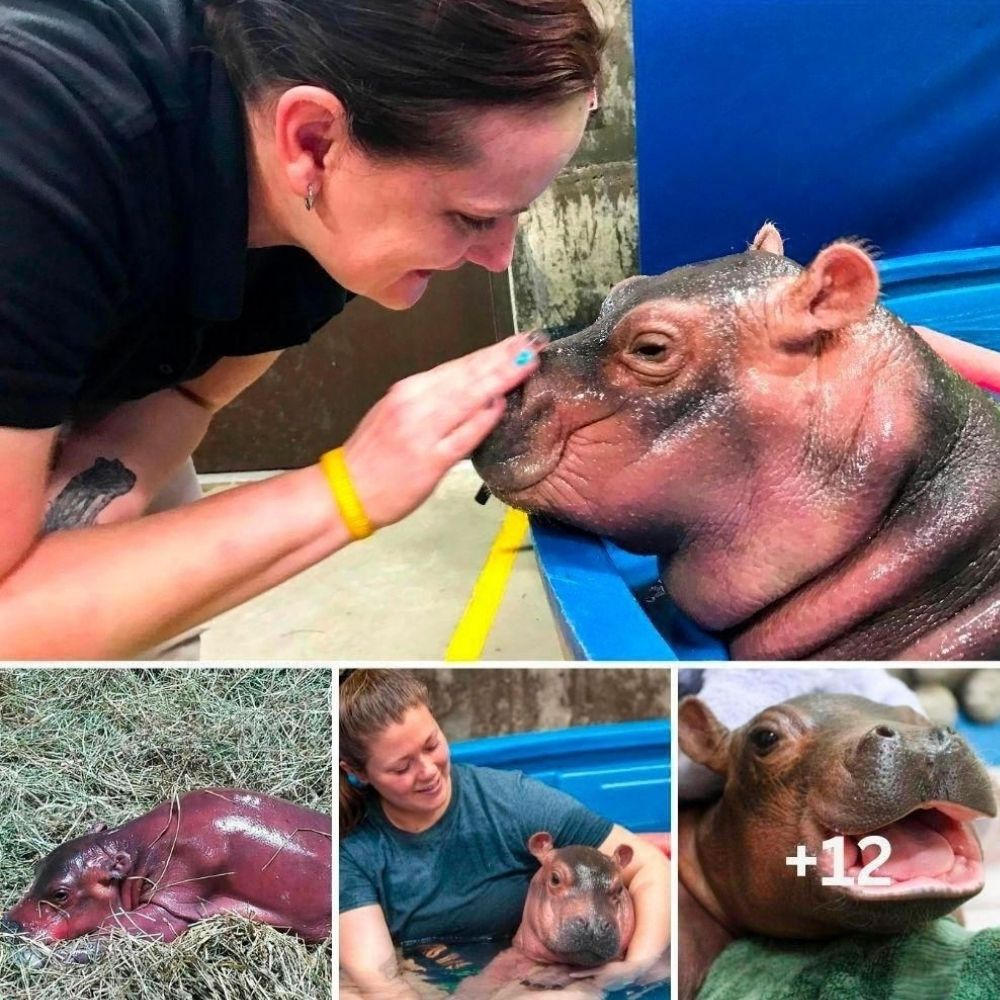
[(580, 237), (477, 702)]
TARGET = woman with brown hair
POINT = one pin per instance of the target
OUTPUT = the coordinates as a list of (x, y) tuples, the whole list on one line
[(432, 851), (190, 186)]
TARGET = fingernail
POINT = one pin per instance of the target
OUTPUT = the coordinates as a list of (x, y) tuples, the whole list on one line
[(524, 358), (538, 338)]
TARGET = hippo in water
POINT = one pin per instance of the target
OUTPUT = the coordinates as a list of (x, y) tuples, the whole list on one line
[(800, 774), (215, 850), (577, 914), (816, 481)]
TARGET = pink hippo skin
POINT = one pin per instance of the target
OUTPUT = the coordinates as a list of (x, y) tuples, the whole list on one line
[(816, 481), (578, 914), (215, 850)]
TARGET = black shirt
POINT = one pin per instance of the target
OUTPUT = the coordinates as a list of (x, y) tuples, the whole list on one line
[(124, 265)]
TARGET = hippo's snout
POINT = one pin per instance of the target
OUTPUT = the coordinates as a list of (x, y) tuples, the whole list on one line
[(590, 940)]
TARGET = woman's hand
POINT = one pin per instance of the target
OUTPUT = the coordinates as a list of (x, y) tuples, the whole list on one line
[(614, 975), (368, 963), (428, 422)]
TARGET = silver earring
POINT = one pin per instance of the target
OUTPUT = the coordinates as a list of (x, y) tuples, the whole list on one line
[(310, 198)]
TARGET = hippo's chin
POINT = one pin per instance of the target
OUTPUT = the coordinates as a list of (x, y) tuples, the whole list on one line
[(588, 959), (934, 855), (514, 477)]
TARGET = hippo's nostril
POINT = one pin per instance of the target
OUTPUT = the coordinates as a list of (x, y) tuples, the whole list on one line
[(886, 732), (515, 398), (603, 927)]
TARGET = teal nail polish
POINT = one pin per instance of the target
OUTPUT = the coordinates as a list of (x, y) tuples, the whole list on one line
[(524, 358)]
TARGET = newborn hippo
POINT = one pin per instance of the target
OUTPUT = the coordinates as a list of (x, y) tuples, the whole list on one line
[(578, 914), (815, 480), (215, 850), (803, 772)]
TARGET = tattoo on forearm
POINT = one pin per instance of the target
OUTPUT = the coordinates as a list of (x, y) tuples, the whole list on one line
[(87, 494)]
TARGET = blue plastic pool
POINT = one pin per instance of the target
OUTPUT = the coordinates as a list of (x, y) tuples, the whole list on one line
[(620, 770), (606, 602)]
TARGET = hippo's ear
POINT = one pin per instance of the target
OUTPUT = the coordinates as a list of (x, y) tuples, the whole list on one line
[(98, 828), (769, 240), (540, 844), (118, 865), (623, 856), (702, 737), (838, 288)]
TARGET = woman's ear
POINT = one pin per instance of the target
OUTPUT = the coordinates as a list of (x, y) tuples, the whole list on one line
[(310, 131), (355, 778)]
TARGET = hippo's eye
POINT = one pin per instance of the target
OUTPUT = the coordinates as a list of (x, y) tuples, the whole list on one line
[(764, 740), (60, 895), (554, 879), (651, 346), (651, 354)]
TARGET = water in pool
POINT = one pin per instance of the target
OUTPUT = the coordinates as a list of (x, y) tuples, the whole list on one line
[(442, 968)]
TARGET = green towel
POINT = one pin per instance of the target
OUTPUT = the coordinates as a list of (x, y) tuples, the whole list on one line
[(942, 961)]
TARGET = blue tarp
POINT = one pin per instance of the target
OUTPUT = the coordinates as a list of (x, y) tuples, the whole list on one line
[(830, 117)]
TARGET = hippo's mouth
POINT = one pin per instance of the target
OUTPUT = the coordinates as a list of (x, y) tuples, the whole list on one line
[(934, 853)]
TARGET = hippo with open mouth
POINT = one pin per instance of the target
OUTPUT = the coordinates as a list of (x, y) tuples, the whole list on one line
[(800, 774), (816, 481)]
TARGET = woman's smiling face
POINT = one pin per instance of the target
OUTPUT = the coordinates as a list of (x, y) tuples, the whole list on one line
[(389, 226), (408, 765)]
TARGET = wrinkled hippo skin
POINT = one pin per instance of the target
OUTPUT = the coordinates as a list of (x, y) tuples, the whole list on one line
[(213, 851), (800, 773), (577, 914), (816, 482)]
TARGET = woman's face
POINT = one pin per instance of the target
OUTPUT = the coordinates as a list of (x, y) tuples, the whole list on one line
[(408, 764), (388, 227)]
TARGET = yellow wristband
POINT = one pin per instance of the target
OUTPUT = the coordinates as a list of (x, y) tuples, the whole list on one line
[(335, 469)]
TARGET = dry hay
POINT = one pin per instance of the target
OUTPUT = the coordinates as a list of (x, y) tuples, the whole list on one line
[(82, 745)]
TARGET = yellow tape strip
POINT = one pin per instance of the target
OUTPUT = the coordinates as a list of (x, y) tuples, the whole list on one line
[(473, 629)]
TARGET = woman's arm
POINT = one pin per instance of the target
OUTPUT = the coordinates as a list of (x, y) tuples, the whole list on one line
[(648, 880), (145, 441), (978, 364), (367, 956), (113, 590)]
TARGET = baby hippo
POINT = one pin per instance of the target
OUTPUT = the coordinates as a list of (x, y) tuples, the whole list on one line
[(815, 481), (578, 914), (213, 851), (805, 772)]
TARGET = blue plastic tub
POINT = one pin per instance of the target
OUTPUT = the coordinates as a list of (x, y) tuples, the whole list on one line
[(621, 770), (606, 602)]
